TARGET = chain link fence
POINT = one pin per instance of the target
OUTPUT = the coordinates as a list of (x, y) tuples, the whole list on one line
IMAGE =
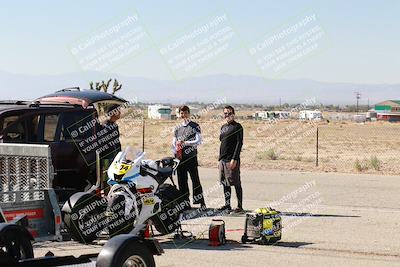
[(372, 147), (342, 146)]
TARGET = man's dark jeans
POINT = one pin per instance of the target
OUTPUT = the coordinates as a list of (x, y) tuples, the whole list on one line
[(190, 166)]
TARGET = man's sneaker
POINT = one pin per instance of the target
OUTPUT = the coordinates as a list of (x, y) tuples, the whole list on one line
[(225, 208), (238, 210)]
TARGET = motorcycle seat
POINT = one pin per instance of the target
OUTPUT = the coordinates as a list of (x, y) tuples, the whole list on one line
[(165, 172), (160, 174), (167, 162)]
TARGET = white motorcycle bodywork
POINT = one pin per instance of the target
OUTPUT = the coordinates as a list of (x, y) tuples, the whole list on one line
[(146, 184)]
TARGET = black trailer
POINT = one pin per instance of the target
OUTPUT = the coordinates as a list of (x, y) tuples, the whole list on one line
[(122, 250)]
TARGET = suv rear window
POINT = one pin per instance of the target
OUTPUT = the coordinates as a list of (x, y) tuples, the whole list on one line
[(50, 127)]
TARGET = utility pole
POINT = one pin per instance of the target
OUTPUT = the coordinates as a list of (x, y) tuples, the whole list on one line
[(358, 97), (143, 132), (317, 145)]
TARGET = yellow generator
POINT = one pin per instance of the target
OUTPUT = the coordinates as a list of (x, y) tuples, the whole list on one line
[(263, 226)]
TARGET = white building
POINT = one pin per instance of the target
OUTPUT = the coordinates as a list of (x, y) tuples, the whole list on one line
[(311, 115), (260, 115), (159, 112), (269, 115), (360, 118)]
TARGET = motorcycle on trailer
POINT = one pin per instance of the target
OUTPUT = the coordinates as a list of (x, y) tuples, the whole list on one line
[(138, 195)]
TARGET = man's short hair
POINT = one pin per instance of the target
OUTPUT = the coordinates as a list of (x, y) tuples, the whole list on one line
[(230, 108), (184, 108)]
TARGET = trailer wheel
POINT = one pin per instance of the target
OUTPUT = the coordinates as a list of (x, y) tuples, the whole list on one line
[(137, 255), (83, 216), (135, 260), (125, 251), (244, 239), (15, 244)]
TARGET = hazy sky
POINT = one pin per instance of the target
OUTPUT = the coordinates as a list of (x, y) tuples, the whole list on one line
[(363, 36)]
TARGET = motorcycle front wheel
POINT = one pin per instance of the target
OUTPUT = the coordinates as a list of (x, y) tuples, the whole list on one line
[(167, 220)]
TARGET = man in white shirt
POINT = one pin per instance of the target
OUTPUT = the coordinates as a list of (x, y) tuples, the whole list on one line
[(187, 137)]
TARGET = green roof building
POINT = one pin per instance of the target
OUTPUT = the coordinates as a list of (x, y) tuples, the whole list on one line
[(388, 106), (388, 110)]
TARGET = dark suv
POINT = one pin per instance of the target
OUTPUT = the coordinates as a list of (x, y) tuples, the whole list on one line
[(52, 120)]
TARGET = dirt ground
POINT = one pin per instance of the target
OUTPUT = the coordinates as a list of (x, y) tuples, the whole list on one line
[(347, 147)]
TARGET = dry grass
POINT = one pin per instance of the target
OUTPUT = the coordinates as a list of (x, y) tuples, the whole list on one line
[(287, 145)]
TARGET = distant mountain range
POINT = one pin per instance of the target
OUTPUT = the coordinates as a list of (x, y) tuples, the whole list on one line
[(236, 89)]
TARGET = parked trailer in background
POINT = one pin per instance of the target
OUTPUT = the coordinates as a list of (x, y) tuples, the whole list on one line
[(360, 118), (310, 115), (159, 112), (281, 115), (260, 115), (271, 115)]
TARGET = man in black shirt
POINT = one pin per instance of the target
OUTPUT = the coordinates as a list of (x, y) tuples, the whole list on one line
[(187, 137), (231, 138)]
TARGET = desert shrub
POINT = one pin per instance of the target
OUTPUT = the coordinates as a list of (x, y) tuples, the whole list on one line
[(360, 165), (271, 154), (375, 163)]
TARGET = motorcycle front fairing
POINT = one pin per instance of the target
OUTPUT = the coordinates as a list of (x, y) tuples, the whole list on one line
[(138, 190)]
